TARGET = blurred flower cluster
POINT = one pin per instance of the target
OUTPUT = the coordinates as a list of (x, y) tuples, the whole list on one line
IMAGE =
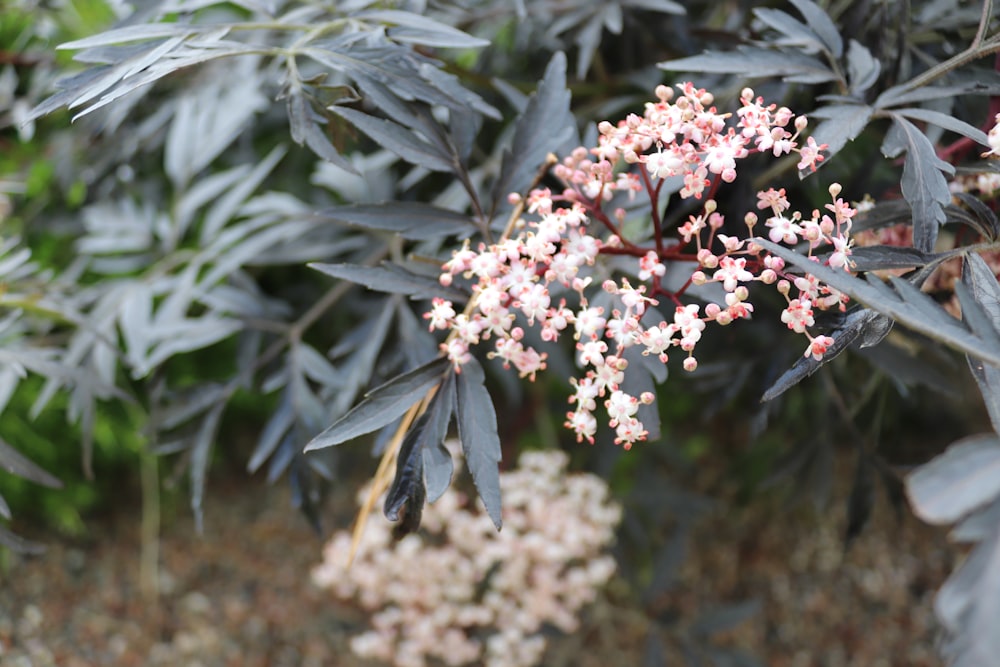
[(461, 593)]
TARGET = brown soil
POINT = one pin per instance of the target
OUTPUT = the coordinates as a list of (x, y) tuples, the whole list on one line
[(241, 595)]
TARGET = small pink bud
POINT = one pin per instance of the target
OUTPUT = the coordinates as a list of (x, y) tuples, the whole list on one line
[(513, 198), (690, 364), (801, 122), (647, 397), (768, 276), (712, 310), (750, 219), (699, 278), (784, 287), (835, 189)]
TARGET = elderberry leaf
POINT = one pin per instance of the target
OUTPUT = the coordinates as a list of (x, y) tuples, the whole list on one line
[(862, 67), (390, 278), (984, 293), (16, 463), (946, 121), (398, 140), (883, 257), (796, 33), (822, 25), (963, 479), (901, 301), (860, 323), (901, 94), (982, 218), (381, 405), (438, 463), (843, 122), (407, 491), (924, 185), (477, 430), (416, 29), (968, 605), (545, 126), (754, 62), (412, 220), (303, 122)]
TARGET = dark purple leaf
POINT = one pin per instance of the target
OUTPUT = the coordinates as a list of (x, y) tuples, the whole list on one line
[(924, 185), (390, 278), (477, 429), (398, 140), (411, 220), (964, 478), (382, 405), (438, 463)]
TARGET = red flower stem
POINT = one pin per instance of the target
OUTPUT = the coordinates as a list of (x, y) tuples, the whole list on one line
[(654, 196)]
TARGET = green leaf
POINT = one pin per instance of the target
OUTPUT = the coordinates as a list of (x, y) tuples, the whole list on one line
[(382, 405), (477, 430)]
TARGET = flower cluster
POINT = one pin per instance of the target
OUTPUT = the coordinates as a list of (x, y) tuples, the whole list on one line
[(471, 595), (543, 273)]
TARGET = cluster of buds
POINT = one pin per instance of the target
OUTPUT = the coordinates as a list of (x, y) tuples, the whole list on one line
[(461, 593), (544, 273)]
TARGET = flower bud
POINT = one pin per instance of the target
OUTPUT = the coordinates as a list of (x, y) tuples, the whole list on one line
[(835, 189), (801, 122), (784, 287), (698, 278), (747, 94), (690, 364), (664, 93)]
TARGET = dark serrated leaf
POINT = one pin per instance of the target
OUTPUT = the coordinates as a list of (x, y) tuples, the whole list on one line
[(862, 68), (947, 121), (984, 292), (902, 94), (822, 25), (905, 304), (275, 429), (865, 327), (390, 278), (18, 464), (399, 140), (971, 595), (407, 487), (842, 123), (924, 185), (754, 62), (438, 463), (381, 405), (420, 29), (983, 219), (882, 257), (964, 478), (477, 430), (545, 126), (796, 33), (411, 220)]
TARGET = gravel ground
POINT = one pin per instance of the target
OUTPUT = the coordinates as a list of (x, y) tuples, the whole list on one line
[(241, 595)]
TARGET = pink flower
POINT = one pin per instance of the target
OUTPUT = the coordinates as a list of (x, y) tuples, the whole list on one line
[(818, 346)]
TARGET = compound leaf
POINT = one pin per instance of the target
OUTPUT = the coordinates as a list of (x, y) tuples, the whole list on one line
[(964, 478), (477, 430), (381, 405)]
